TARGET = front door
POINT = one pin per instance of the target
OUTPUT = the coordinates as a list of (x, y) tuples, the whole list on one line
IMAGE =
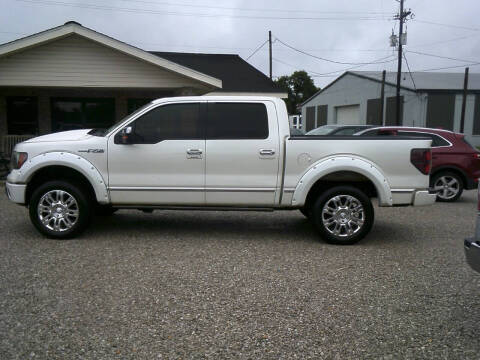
[(242, 154), (164, 161)]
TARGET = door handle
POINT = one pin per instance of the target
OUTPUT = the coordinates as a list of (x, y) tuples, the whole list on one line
[(194, 152), (267, 152)]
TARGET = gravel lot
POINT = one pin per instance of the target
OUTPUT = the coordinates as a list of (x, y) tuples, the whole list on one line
[(240, 285)]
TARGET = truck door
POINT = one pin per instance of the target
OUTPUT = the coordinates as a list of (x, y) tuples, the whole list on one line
[(242, 147), (163, 161)]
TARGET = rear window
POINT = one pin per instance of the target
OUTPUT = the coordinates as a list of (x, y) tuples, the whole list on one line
[(436, 140), (237, 121)]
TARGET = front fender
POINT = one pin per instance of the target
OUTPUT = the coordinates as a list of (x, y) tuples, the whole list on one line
[(342, 163), (83, 166)]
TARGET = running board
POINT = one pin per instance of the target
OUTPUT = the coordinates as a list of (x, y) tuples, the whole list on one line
[(204, 208)]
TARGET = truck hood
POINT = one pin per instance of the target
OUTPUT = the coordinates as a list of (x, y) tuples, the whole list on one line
[(72, 135)]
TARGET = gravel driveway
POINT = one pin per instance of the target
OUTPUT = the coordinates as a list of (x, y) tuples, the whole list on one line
[(240, 285)]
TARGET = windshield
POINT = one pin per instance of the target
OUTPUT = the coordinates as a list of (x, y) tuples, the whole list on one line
[(322, 130), (103, 132)]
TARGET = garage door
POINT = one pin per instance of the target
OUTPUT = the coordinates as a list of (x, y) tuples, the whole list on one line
[(348, 115)]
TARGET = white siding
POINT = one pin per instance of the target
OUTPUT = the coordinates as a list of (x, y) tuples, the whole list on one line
[(75, 61)]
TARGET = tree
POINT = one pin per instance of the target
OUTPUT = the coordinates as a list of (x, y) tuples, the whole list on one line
[(299, 86)]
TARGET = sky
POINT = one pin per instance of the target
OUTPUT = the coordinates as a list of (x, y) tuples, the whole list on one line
[(331, 35)]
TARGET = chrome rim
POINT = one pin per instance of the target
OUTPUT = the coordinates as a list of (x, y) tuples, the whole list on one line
[(58, 210), (343, 215), (447, 187)]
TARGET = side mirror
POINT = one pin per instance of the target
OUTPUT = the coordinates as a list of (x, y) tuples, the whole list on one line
[(125, 135)]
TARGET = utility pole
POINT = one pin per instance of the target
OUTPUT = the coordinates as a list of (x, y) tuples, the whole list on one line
[(382, 98), (402, 15), (464, 100), (270, 52)]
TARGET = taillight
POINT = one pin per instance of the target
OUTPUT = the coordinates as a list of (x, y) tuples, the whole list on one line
[(422, 160)]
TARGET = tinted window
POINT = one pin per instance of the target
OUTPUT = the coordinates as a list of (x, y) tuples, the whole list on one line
[(237, 121), (436, 140), (169, 122), (346, 131), (375, 132)]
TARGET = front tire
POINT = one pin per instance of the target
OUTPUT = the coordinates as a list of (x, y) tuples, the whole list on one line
[(60, 210), (448, 185), (343, 215)]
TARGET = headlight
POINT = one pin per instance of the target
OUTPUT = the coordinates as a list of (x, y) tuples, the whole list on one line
[(18, 159)]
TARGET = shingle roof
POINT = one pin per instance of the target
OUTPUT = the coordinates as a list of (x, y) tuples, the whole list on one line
[(427, 80), (236, 74)]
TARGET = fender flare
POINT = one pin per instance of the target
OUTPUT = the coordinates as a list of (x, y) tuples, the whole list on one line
[(66, 159), (342, 163)]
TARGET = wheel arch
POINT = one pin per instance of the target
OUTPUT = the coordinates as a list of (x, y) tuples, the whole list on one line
[(66, 166), (336, 171), (449, 168)]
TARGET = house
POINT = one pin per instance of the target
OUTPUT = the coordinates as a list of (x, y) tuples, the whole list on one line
[(428, 99), (71, 77)]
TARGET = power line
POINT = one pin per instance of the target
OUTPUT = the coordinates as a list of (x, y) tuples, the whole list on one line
[(447, 25), (204, 15), (255, 9), (445, 41), (450, 67), (439, 56), (256, 50), (324, 59), (411, 76), (336, 72)]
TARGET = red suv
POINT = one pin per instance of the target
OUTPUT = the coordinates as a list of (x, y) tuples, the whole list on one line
[(455, 163)]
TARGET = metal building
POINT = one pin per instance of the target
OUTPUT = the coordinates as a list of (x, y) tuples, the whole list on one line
[(429, 100)]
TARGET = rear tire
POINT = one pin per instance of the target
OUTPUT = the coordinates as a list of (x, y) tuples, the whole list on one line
[(448, 185), (343, 215), (60, 210)]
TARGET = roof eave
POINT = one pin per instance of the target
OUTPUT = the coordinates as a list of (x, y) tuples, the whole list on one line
[(73, 28)]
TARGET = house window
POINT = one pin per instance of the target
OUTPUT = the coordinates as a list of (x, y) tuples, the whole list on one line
[(81, 113), (135, 104), (22, 115)]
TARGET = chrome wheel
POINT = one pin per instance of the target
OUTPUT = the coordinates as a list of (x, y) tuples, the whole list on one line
[(58, 211), (343, 215), (447, 187)]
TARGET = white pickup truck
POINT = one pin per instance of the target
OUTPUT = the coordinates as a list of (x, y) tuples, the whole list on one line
[(216, 152)]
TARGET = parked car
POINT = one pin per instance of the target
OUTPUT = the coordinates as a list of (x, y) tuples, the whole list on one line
[(472, 245), (455, 163), (338, 130), (296, 132), (230, 153)]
